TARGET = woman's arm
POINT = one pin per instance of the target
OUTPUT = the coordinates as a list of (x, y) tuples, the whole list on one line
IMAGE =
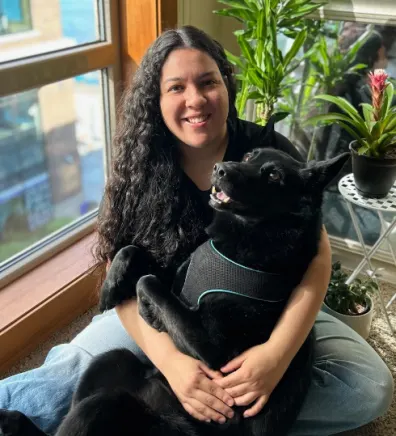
[(304, 304), (190, 379)]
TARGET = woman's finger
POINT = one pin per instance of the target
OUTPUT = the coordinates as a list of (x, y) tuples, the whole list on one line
[(229, 381), (246, 399), (238, 391), (257, 406), (194, 413), (210, 372), (214, 403), (202, 409), (211, 388)]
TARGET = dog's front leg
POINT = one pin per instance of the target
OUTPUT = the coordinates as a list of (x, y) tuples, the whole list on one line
[(129, 264), (166, 313)]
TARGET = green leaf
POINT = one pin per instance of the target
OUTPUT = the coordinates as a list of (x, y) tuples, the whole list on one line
[(261, 35), (239, 14), (255, 95), (247, 33), (387, 139), (351, 111), (242, 99), (390, 122), (294, 49), (254, 77), (331, 118), (389, 92), (368, 113), (235, 60), (246, 49), (279, 116), (376, 131), (356, 67)]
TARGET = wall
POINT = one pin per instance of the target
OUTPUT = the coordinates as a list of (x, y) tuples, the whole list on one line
[(200, 14)]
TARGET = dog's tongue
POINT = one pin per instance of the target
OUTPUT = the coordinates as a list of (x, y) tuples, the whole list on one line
[(221, 196)]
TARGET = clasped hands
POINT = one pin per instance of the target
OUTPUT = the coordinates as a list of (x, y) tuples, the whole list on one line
[(247, 380)]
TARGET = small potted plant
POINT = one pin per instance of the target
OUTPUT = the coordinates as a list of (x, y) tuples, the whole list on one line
[(350, 303), (374, 148)]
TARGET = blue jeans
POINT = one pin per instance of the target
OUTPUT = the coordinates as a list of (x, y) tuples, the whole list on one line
[(351, 387)]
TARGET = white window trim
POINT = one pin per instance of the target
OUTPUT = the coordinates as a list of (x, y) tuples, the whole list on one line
[(18, 37), (381, 12)]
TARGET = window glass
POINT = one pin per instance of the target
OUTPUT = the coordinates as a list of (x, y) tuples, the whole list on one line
[(29, 27), (329, 69), (51, 159)]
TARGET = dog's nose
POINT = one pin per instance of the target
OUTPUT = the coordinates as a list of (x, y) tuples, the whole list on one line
[(219, 169)]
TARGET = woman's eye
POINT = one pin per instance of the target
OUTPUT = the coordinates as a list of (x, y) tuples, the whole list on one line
[(209, 82), (175, 88), (274, 176)]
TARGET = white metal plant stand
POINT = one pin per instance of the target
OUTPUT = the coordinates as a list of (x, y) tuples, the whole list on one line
[(348, 190)]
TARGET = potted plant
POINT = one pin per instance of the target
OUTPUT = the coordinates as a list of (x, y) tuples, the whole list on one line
[(374, 148), (263, 70), (350, 303)]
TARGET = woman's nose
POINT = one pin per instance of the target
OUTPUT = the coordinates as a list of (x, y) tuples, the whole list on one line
[(195, 98)]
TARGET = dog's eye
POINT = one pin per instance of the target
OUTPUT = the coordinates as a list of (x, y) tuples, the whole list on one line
[(249, 155), (274, 176)]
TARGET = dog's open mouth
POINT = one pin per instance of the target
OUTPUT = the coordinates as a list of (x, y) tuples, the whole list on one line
[(219, 196)]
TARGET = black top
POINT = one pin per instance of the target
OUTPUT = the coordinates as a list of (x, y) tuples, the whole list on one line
[(244, 136)]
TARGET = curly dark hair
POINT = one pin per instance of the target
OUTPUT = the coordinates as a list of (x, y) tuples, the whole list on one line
[(145, 203)]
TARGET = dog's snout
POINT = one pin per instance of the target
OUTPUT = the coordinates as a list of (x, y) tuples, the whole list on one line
[(219, 170)]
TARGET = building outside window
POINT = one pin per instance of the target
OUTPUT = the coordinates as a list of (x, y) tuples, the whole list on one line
[(54, 136), (15, 16)]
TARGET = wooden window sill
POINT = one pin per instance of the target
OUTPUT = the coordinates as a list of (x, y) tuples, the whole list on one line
[(46, 299)]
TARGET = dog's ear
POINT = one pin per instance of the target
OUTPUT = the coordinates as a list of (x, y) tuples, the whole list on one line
[(269, 137), (323, 172)]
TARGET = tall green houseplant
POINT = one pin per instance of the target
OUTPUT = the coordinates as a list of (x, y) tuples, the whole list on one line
[(263, 69)]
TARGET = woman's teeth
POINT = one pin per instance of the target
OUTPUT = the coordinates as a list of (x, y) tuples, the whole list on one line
[(197, 120)]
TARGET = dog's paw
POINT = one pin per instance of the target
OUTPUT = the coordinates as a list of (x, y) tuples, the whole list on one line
[(129, 264), (14, 423), (148, 291)]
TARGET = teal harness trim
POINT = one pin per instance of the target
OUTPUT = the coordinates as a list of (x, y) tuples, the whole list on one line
[(225, 291)]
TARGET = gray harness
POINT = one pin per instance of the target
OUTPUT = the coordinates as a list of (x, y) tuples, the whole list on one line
[(210, 272)]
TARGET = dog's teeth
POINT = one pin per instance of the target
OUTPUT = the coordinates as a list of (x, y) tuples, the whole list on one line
[(213, 190), (226, 199)]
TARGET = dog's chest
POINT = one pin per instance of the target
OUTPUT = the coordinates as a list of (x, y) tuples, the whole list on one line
[(211, 272)]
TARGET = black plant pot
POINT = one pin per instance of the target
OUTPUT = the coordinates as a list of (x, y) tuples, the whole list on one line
[(374, 177)]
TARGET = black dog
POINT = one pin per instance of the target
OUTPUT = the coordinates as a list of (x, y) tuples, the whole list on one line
[(225, 299)]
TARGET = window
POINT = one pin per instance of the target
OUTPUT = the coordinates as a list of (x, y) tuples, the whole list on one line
[(31, 27), (51, 159), (57, 100), (14, 16), (328, 73)]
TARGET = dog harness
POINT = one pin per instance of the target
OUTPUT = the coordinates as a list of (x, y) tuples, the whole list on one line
[(210, 271)]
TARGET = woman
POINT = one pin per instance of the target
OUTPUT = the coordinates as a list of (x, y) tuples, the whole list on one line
[(179, 119)]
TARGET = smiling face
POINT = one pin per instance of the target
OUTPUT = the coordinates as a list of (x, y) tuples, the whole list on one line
[(194, 98)]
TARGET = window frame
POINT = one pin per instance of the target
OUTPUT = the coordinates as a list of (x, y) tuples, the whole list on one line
[(43, 69), (59, 285)]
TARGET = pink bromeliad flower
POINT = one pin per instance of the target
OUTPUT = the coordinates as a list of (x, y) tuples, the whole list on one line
[(378, 84)]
